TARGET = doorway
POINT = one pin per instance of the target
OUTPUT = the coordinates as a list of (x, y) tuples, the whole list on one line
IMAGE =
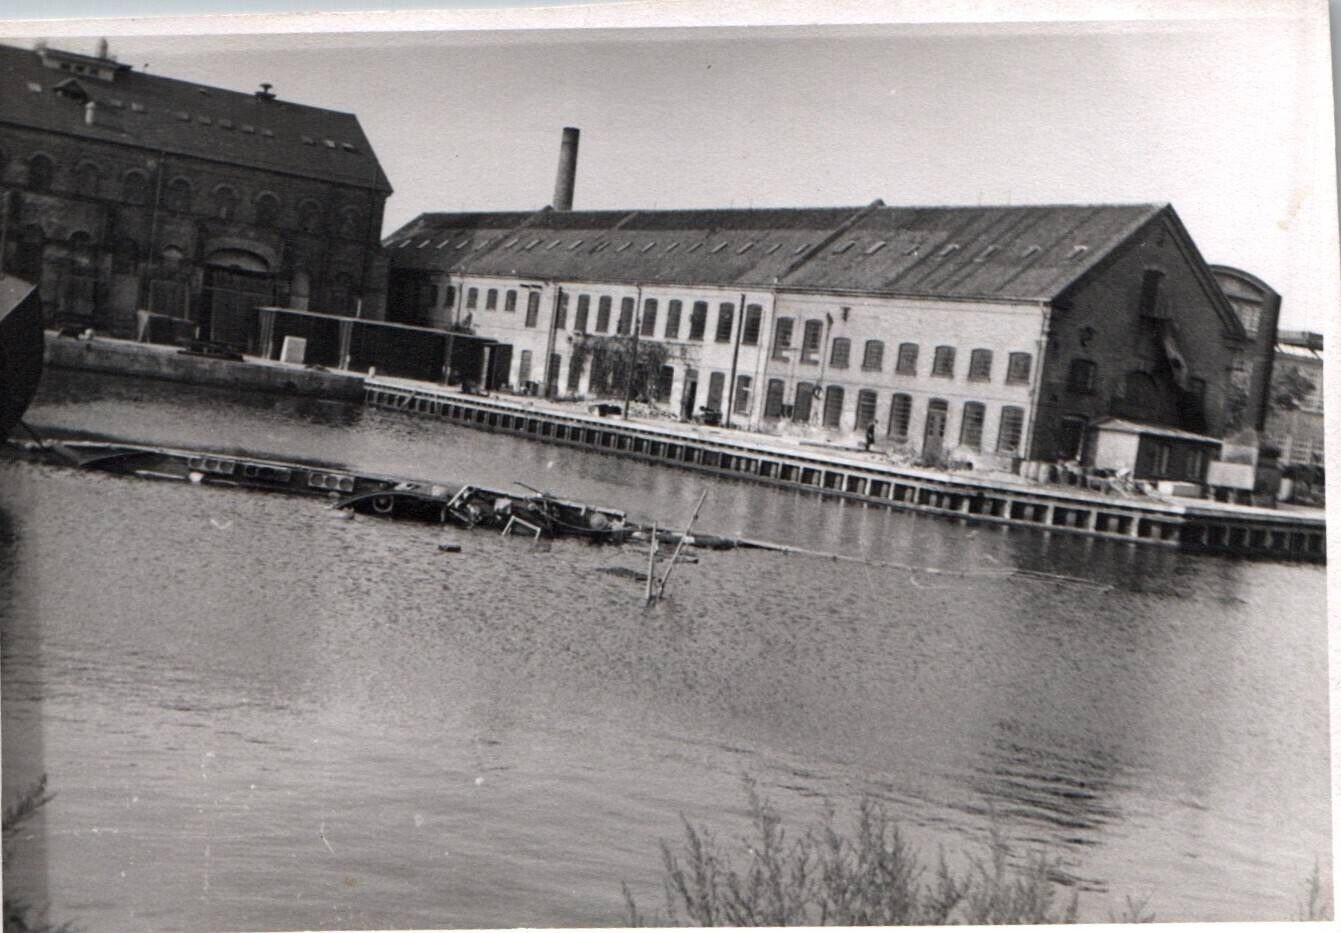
[(933, 437)]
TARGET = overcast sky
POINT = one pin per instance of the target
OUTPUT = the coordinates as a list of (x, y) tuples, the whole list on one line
[(1222, 119)]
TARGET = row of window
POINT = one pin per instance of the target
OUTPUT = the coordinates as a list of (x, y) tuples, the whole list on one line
[(178, 195)]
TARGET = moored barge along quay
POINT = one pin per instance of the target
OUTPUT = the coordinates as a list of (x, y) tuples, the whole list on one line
[(1200, 525)]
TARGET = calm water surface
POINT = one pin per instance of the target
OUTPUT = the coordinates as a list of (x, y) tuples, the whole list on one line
[(257, 717)]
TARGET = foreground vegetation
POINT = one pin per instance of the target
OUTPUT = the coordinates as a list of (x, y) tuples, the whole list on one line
[(870, 876), (21, 917)]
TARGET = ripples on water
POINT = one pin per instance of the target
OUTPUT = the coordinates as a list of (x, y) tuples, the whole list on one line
[(258, 717)]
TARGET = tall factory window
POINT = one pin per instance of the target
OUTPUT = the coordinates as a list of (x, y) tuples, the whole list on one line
[(698, 320), (603, 314), (970, 429), (742, 402), (873, 359), (782, 337), (532, 308), (178, 196), (726, 313), (805, 393), (560, 311), (907, 363), (583, 309), (866, 402), (524, 368), (900, 415), (665, 382), (87, 177), (649, 317), (980, 366), (754, 315), (625, 325), (841, 352), (773, 398), (810, 341), (1163, 455), (134, 187), (716, 383), (510, 300), (1017, 368), (833, 407), (1082, 376), (673, 319), (225, 202), (491, 300), (1012, 428), (472, 298), (943, 363), (40, 173), (574, 373), (267, 210)]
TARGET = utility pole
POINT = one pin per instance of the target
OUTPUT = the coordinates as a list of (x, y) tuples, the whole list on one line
[(637, 326)]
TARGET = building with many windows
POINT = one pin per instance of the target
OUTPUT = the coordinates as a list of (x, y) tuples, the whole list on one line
[(975, 333), (126, 192), (1294, 422)]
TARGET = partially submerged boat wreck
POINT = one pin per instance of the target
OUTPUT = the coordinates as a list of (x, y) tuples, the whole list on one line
[(21, 349)]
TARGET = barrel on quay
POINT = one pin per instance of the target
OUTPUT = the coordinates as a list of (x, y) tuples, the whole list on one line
[(1212, 527)]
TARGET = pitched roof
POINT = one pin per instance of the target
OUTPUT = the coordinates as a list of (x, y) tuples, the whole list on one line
[(1001, 253), (449, 242), (1124, 426), (181, 117)]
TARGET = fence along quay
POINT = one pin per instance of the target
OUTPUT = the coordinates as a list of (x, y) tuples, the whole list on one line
[(1199, 525)]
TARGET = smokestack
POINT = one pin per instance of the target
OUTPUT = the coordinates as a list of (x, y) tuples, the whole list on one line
[(102, 49), (567, 177)]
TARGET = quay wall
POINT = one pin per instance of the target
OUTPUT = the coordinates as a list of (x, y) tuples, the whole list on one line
[(1203, 525), (128, 358)]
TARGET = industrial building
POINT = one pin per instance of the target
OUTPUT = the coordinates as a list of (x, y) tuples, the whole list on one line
[(975, 334), (137, 199)]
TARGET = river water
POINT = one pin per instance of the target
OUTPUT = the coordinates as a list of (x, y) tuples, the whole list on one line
[(257, 717)]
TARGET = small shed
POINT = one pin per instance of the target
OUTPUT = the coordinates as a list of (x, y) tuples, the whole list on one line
[(1149, 451)]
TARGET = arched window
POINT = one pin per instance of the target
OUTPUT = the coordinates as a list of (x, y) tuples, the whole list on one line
[(773, 398), (873, 359), (125, 254), (811, 338), (1012, 429), (840, 353), (900, 415), (907, 363), (349, 223), (943, 363), (1082, 376), (866, 402), (226, 201), (87, 177), (267, 209), (309, 217), (135, 187), (980, 366), (178, 196), (833, 407), (41, 171), (970, 428), (28, 251), (1017, 368)]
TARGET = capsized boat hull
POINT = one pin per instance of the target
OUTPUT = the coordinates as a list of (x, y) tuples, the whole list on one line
[(21, 349)]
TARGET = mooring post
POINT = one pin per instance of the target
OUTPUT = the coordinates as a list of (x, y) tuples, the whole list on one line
[(679, 545)]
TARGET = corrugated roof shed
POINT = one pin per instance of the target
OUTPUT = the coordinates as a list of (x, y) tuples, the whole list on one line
[(1003, 253), (180, 117)]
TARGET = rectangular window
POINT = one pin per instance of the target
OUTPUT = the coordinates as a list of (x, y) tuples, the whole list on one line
[(970, 430), (583, 310), (1017, 369), (1163, 454), (625, 316), (510, 300), (673, 319), (491, 300), (805, 394), (754, 316), (574, 373), (698, 320), (1082, 376), (773, 398), (603, 315), (866, 401), (873, 359), (716, 385), (839, 354), (900, 415), (742, 402), (649, 328), (833, 407), (943, 363), (810, 341), (524, 368), (782, 337), (665, 382), (472, 298), (1012, 429), (560, 313), (980, 366), (532, 308), (1196, 465), (726, 313), (907, 364)]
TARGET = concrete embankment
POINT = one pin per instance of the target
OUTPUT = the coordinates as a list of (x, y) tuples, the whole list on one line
[(127, 358)]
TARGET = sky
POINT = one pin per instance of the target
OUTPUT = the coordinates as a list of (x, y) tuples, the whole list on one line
[(1223, 118)]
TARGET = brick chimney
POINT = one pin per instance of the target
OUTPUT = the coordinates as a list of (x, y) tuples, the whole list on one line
[(567, 177)]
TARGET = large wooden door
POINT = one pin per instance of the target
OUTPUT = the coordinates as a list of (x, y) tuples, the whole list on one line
[(227, 312)]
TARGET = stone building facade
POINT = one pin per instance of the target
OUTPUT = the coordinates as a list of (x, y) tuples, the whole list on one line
[(125, 192), (978, 334)]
